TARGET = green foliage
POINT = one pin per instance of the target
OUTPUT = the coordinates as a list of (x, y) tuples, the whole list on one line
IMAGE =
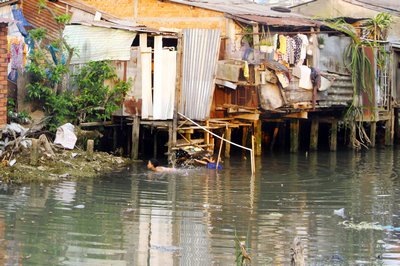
[(38, 34), (96, 100), (248, 35), (63, 19), (92, 101), (14, 116), (378, 25), (359, 65)]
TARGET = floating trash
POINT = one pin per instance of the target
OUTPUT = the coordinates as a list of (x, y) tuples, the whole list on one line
[(339, 212)]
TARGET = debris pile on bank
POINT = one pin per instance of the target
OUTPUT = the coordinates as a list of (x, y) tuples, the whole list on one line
[(21, 162)]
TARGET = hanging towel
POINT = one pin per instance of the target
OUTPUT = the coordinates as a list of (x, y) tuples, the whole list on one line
[(305, 78)]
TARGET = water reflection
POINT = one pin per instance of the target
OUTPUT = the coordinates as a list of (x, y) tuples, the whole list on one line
[(190, 217)]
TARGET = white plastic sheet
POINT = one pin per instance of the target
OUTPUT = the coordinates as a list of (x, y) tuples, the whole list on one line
[(65, 136)]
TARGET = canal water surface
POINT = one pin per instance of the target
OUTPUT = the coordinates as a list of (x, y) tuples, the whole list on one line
[(344, 206)]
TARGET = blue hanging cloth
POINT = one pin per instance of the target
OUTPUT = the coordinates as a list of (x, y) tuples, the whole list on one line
[(22, 22)]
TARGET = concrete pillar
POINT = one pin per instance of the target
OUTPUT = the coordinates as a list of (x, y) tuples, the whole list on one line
[(90, 149)]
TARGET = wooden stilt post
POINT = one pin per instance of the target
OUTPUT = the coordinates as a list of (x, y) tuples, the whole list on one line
[(219, 153), (274, 137), (114, 138), (396, 125), (171, 157), (34, 152), (282, 135), (89, 149), (244, 140), (155, 144), (228, 134), (207, 136), (135, 138), (175, 119), (372, 133), (294, 135), (314, 135), (258, 136), (352, 135), (333, 136), (388, 132)]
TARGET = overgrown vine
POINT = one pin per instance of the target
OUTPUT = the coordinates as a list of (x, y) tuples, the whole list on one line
[(363, 76)]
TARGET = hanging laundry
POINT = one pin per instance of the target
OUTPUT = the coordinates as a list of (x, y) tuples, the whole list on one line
[(303, 49), (275, 41), (297, 49), (246, 73), (17, 58), (282, 44), (305, 77), (290, 50)]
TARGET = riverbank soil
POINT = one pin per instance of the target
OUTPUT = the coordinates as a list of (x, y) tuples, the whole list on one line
[(64, 164)]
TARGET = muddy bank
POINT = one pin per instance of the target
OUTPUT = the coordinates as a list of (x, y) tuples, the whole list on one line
[(63, 165)]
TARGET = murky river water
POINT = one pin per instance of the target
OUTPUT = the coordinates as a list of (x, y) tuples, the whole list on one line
[(190, 218)]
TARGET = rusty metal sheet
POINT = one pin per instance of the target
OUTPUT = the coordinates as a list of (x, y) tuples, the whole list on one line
[(281, 21)]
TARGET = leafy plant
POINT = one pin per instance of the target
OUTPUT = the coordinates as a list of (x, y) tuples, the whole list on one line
[(266, 39), (248, 35), (363, 79), (48, 71), (321, 40), (378, 25)]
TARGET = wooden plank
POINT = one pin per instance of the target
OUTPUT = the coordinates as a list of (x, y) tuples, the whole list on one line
[(300, 115)]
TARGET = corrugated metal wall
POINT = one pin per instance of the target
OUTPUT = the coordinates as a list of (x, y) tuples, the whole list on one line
[(200, 54), (44, 19)]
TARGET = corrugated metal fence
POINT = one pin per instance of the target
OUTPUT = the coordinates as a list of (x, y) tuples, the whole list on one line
[(200, 55)]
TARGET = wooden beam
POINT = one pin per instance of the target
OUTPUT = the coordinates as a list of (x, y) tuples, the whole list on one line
[(301, 115), (294, 135), (135, 138), (333, 136), (314, 135)]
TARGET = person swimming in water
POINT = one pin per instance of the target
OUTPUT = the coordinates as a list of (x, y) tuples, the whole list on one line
[(154, 165)]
